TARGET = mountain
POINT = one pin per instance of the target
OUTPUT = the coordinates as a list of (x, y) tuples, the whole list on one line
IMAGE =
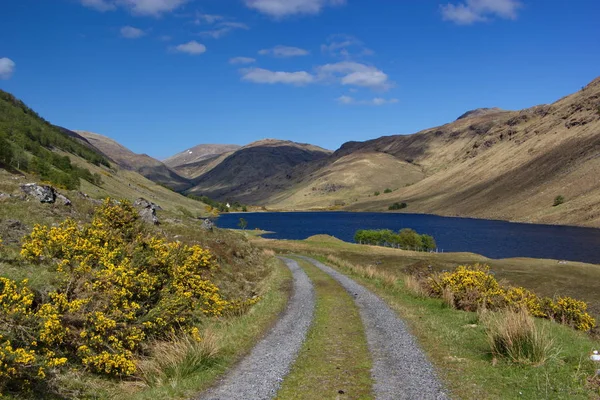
[(238, 176), (199, 153), (147, 166), (490, 164)]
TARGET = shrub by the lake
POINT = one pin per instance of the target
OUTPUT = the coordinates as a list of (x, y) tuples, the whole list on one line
[(406, 239), (397, 206)]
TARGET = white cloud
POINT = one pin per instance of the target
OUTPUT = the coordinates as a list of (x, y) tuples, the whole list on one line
[(355, 74), (472, 11), (346, 99), (260, 75), (223, 29), (241, 60), (7, 68), (130, 32), (138, 7), (193, 48), (284, 51), (284, 8), (345, 46), (377, 101), (347, 73), (207, 18)]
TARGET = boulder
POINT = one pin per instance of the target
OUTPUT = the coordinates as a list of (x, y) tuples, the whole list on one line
[(143, 203), (43, 193), (207, 225), (148, 215), (62, 199), (147, 210)]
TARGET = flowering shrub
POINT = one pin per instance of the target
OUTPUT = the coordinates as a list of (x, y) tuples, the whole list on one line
[(474, 287), (117, 287), (571, 312)]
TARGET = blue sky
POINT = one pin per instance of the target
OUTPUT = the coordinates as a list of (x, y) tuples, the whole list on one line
[(160, 76)]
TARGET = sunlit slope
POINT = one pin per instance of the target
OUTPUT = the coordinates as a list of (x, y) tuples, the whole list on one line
[(347, 180), (505, 165)]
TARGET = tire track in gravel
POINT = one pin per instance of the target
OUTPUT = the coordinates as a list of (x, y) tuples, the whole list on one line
[(259, 375), (400, 368)]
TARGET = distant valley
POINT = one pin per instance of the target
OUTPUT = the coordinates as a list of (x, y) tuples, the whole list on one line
[(489, 163)]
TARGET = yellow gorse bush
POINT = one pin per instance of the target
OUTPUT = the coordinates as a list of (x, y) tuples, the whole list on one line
[(474, 287), (117, 287)]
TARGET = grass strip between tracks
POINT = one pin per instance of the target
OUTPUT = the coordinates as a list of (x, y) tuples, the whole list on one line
[(334, 362)]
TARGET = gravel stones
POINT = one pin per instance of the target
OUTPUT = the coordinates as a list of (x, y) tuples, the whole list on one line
[(400, 368), (259, 375)]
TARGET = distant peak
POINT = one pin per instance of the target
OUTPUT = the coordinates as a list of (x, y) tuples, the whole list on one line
[(480, 111)]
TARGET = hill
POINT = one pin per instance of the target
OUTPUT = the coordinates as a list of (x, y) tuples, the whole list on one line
[(199, 153), (142, 163), (239, 175), (32, 149), (490, 164)]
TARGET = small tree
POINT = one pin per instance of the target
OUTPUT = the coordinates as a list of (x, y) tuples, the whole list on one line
[(376, 194), (428, 242), (388, 190), (243, 223), (558, 200)]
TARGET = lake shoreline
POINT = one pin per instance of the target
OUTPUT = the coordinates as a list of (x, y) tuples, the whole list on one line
[(494, 239)]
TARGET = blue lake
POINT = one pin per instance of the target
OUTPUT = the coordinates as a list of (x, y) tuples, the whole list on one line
[(493, 239)]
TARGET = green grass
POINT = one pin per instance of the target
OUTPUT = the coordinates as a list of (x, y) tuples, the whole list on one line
[(456, 342), (334, 359), (244, 271), (236, 337), (544, 277)]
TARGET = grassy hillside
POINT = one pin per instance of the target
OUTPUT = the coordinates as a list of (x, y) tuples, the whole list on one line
[(31, 149), (347, 180), (490, 164), (241, 175), (29, 143), (142, 163)]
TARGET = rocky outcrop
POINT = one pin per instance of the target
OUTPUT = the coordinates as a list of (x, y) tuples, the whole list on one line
[(147, 210), (45, 194), (207, 225)]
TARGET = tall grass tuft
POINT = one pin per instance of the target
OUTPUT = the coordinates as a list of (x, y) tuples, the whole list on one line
[(178, 358), (448, 297), (414, 286), (269, 252), (514, 335)]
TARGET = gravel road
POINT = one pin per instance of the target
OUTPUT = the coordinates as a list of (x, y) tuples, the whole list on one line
[(400, 368), (259, 375)]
